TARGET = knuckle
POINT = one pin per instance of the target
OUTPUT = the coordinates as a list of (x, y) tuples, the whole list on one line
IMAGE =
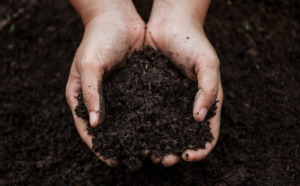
[(191, 76), (211, 95), (213, 92), (87, 97), (90, 63), (207, 61), (210, 58)]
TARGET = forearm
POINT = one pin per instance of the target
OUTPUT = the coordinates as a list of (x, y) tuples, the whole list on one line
[(88, 9), (193, 8)]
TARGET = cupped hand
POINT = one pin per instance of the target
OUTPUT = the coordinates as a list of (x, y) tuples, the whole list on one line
[(111, 36), (177, 30)]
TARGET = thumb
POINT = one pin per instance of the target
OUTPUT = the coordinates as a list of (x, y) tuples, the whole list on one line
[(208, 80), (91, 83)]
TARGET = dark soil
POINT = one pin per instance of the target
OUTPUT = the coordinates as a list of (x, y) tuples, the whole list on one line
[(149, 106), (258, 46)]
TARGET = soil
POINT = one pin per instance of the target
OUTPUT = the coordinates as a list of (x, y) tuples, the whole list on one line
[(149, 107), (258, 46)]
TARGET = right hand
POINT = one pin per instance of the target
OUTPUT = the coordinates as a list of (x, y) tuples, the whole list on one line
[(113, 30)]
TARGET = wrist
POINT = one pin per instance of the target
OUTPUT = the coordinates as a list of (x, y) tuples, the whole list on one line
[(195, 10), (89, 9)]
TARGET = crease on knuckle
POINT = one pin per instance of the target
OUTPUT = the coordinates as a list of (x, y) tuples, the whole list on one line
[(87, 97), (91, 63), (211, 95), (191, 76), (206, 62), (208, 94), (214, 92)]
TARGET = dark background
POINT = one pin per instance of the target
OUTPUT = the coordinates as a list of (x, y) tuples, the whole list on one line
[(257, 42)]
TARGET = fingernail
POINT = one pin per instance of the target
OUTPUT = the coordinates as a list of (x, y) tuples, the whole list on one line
[(93, 118), (202, 114)]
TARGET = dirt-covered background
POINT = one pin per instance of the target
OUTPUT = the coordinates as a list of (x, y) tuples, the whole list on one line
[(258, 45)]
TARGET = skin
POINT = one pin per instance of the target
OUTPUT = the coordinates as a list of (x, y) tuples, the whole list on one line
[(113, 30)]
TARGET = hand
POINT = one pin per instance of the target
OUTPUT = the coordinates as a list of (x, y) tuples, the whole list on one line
[(113, 30), (176, 28)]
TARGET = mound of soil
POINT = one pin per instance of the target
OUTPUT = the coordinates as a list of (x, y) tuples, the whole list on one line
[(149, 106)]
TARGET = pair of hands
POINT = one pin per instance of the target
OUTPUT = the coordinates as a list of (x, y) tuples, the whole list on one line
[(113, 30)]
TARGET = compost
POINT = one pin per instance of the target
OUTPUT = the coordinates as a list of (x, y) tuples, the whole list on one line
[(149, 107)]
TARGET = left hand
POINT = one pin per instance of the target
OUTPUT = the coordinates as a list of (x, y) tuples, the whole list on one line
[(177, 29)]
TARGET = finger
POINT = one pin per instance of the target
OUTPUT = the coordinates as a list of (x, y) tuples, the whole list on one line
[(191, 155), (170, 160), (81, 126), (91, 81), (146, 153), (155, 158), (207, 70), (72, 90), (111, 162), (133, 164)]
